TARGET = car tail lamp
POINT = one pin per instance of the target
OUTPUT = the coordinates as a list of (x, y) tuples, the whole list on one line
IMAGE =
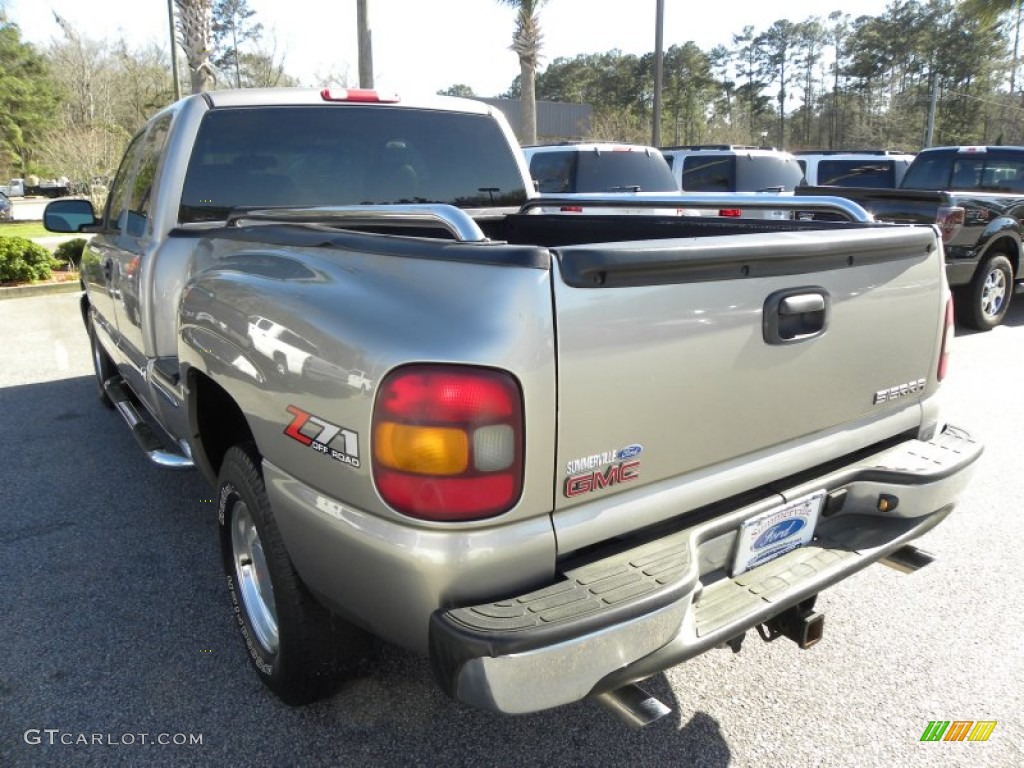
[(733, 213), (361, 95), (950, 219), (947, 340), (448, 442), (571, 209)]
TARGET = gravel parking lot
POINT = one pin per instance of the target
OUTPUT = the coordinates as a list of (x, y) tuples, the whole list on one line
[(120, 648)]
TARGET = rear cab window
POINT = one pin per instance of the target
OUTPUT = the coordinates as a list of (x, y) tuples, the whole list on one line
[(992, 171), (346, 155)]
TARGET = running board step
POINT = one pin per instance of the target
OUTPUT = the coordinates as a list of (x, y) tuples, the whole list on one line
[(150, 444)]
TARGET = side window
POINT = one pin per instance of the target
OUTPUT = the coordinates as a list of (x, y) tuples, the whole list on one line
[(139, 198), (116, 203)]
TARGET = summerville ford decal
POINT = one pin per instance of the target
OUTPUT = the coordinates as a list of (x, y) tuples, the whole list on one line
[(602, 470)]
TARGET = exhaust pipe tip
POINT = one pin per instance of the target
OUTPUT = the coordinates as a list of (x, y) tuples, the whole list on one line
[(908, 559), (633, 705)]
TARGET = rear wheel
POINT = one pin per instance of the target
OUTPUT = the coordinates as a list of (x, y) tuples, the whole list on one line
[(983, 303), (102, 365), (298, 649)]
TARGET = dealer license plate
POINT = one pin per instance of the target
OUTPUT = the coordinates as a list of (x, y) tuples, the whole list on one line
[(774, 532)]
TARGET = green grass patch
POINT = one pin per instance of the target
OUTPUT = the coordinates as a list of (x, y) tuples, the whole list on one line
[(23, 229)]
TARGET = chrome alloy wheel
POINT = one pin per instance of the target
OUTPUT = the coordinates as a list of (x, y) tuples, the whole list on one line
[(254, 585), (993, 293)]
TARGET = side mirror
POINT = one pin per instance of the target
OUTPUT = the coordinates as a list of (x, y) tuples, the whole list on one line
[(69, 216)]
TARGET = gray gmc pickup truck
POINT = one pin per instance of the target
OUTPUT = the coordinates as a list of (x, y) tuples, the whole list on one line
[(554, 454)]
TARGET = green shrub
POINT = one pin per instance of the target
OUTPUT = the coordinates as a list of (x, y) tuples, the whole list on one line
[(70, 251), (22, 261)]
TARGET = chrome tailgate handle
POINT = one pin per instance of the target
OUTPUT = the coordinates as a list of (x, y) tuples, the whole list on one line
[(795, 315)]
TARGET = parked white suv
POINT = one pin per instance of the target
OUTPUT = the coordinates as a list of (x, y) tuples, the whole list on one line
[(876, 168), (601, 168), (598, 167), (732, 168)]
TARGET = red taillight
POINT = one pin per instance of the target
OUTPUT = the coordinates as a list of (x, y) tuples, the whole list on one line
[(950, 219), (730, 212), (363, 95), (448, 442), (947, 341), (571, 209)]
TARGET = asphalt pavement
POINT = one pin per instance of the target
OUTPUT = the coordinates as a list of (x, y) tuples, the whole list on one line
[(119, 647)]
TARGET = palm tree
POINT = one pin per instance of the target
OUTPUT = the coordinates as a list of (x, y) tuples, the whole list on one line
[(526, 42), (195, 25)]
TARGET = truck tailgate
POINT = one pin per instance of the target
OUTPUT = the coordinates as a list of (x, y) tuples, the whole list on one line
[(686, 354), (901, 206)]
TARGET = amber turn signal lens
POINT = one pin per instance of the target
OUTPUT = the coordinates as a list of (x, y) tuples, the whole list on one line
[(423, 450)]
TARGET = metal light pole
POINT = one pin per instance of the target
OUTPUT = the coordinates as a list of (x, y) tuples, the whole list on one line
[(659, 61), (174, 51), (365, 45)]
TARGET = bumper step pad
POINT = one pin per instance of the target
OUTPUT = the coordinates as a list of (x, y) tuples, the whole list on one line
[(598, 588), (724, 601)]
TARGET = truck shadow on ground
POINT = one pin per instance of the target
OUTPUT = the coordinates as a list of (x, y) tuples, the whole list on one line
[(118, 620)]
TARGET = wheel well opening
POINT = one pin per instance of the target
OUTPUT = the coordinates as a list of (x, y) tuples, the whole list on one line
[(1009, 248), (218, 423)]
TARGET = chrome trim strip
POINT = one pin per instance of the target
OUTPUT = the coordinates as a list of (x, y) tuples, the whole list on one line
[(756, 200), (459, 223)]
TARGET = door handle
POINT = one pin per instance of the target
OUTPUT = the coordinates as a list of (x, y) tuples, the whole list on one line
[(795, 315), (803, 304)]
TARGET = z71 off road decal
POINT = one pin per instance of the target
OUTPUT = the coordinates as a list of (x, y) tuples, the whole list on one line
[(329, 439)]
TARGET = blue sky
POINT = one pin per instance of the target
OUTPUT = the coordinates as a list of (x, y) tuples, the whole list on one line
[(425, 46)]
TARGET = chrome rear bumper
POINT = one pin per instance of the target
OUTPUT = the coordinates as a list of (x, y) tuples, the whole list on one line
[(626, 617)]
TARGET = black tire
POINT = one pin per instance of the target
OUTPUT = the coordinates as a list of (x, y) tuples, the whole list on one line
[(297, 648), (982, 305), (102, 365)]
